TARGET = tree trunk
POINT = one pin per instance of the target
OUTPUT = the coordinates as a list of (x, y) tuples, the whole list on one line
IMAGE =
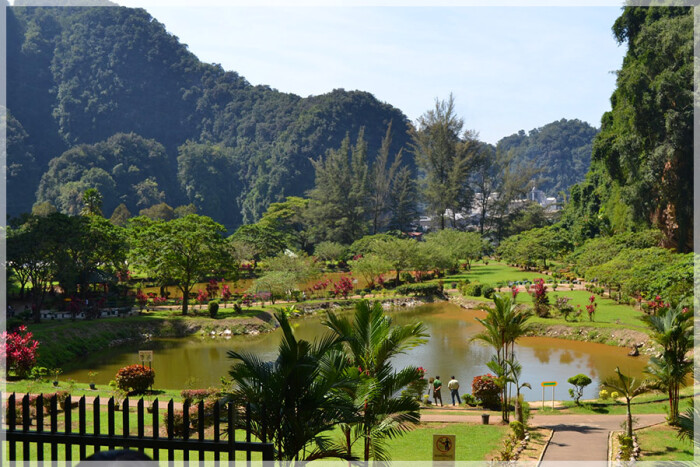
[(629, 418), (185, 300)]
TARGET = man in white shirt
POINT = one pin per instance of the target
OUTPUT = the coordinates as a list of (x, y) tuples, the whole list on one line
[(453, 386)]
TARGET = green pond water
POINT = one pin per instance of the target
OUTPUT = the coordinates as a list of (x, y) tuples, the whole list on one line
[(203, 359)]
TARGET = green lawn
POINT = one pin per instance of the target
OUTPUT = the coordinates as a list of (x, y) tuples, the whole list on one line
[(473, 442), (643, 404), (493, 273), (660, 443)]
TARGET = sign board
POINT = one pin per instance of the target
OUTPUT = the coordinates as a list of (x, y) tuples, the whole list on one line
[(549, 383), (146, 356), (444, 447)]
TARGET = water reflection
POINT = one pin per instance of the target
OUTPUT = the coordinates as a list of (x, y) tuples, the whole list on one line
[(448, 352)]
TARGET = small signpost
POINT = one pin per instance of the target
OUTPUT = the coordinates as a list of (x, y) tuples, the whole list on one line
[(146, 356), (546, 384), (444, 447)]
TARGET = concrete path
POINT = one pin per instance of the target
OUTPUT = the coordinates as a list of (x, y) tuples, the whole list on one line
[(576, 437)]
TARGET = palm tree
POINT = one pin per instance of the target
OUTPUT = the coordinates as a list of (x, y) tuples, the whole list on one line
[(672, 329), (686, 425), (372, 341), (629, 388), (515, 370), (503, 325), (297, 398)]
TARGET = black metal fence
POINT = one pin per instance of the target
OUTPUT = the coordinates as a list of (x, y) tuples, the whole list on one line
[(35, 425)]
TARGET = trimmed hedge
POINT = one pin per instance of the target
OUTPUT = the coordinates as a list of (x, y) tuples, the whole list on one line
[(419, 289), (135, 378)]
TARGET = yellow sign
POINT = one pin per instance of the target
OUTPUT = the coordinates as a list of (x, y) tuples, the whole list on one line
[(146, 356), (443, 447), (549, 383)]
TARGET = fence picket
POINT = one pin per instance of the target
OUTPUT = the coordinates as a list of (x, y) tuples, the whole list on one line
[(200, 426), (125, 418), (12, 421), (39, 426), (248, 454), (156, 429), (110, 421), (171, 428), (96, 420), (54, 425), (26, 421), (68, 409), (140, 420), (185, 430), (231, 436), (81, 426)]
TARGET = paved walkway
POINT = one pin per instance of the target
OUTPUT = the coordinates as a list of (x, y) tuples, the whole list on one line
[(576, 437)]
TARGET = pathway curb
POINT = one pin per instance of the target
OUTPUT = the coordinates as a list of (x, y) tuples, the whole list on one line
[(544, 449)]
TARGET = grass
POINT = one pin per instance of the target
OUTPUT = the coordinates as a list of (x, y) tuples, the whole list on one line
[(660, 443), (609, 314), (643, 404), (473, 442)]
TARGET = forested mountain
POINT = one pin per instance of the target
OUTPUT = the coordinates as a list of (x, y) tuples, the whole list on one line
[(106, 97), (560, 150), (642, 163)]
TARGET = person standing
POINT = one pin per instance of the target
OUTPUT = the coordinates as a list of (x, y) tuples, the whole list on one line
[(453, 386), (437, 385)]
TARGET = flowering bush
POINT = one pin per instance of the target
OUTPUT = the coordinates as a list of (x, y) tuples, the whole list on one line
[(135, 378), (343, 287), (540, 300), (591, 307), (212, 289), (652, 307), (417, 387), (514, 290), (225, 294), (202, 297), (141, 299), (485, 389), (19, 350)]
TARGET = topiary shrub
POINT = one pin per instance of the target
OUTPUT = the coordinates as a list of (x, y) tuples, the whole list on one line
[(579, 382), (485, 390), (135, 378), (213, 308), (487, 291)]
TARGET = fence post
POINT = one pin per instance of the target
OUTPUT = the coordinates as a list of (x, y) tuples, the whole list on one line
[(39, 426), (171, 430), (248, 454), (54, 425), (12, 421), (140, 420), (110, 421), (231, 436), (200, 427), (26, 421), (125, 418), (68, 409), (186, 429)]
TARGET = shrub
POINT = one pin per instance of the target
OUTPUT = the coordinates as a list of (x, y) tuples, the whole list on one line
[(518, 429), (614, 395), (207, 414), (213, 308), (469, 399), (19, 351), (579, 382), (178, 427), (135, 378), (565, 308), (473, 289), (195, 395), (604, 395), (485, 389), (407, 277), (540, 300), (418, 289), (488, 291)]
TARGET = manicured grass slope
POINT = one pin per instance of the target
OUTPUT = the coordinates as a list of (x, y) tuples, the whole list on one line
[(661, 443)]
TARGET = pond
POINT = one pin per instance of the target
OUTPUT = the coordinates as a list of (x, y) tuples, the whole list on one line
[(449, 351)]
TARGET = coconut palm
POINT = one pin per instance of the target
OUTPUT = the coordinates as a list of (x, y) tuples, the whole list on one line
[(672, 329), (297, 398), (629, 388), (372, 341)]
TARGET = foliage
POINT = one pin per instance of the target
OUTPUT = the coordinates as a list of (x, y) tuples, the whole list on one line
[(518, 429), (370, 267), (628, 388), (486, 391), (213, 308), (19, 351), (135, 378), (564, 307), (343, 286), (540, 300), (329, 251), (580, 381), (427, 289)]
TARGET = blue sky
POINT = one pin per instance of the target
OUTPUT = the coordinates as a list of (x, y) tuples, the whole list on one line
[(509, 68)]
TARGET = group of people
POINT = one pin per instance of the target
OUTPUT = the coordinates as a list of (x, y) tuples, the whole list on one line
[(452, 385)]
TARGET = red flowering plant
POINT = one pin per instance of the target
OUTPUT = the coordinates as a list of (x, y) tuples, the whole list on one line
[(135, 378), (419, 385), (485, 389), (226, 294), (141, 299), (540, 300), (514, 290), (202, 297), (19, 351), (212, 289), (653, 307), (591, 307), (343, 287)]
